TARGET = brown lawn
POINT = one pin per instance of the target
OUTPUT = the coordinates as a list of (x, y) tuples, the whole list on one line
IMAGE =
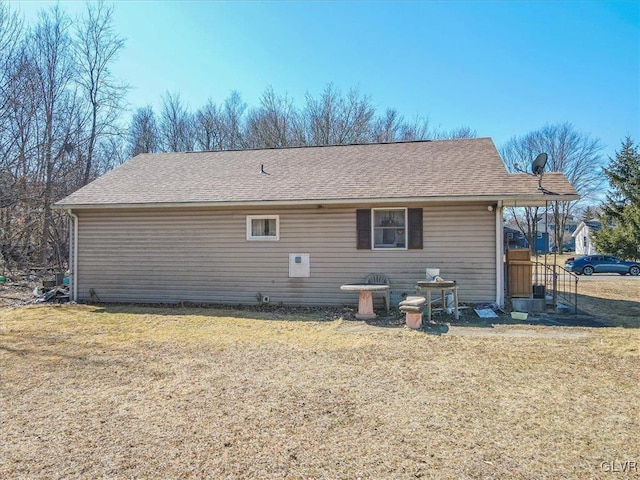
[(614, 301), (133, 392), (611, 299)]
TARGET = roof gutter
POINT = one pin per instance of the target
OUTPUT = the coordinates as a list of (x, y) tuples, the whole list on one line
[(507, 200)]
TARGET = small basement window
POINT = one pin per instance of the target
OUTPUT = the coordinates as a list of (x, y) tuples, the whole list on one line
[(263, 227), (389, 228)]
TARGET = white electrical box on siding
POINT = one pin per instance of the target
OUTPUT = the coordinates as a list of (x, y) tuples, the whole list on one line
[(299, 265)]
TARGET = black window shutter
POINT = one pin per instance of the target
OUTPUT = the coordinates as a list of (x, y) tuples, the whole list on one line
[(415, 228), (363, 227)]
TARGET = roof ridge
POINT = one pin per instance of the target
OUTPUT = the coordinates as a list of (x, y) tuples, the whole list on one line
[(292, 147)]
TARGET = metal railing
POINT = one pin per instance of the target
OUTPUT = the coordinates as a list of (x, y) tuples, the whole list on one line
[(559, 282)]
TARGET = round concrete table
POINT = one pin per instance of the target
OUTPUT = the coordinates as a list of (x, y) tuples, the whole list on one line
[(365, 300)]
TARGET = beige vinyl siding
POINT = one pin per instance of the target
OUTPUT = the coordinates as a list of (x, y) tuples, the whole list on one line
[(175, 255)]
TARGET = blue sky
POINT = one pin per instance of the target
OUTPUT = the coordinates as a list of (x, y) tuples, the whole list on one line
[(502, 68)]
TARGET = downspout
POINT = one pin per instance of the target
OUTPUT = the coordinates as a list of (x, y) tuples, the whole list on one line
[(73, 256), (499, 255)]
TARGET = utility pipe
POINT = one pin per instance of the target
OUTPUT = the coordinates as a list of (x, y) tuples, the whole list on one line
[(499, 255), (73, 256)]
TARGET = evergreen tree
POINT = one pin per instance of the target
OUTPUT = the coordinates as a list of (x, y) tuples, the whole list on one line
[(589, 213), (620, 233)]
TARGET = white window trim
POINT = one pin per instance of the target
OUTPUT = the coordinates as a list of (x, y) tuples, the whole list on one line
[(406, 230), (261, 238)]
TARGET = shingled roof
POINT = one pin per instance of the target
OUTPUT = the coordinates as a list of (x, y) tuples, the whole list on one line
[(443, 170)]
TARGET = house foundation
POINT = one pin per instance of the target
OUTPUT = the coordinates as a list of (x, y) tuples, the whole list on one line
[(529, 305)]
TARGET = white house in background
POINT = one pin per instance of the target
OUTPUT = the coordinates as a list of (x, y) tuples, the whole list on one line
[(584, 237)]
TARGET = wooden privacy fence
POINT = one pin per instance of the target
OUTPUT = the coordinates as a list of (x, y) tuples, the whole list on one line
[(519, 270)]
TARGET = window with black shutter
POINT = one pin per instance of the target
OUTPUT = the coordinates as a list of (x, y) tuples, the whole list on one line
[(389, 228)]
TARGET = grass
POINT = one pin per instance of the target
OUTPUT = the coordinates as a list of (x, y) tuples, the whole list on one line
[(559, 259), (614, 303), (133, 392)]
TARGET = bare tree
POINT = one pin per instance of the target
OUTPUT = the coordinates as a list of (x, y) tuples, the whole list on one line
[(571, 152), (234, 109), (51, 52), (393, 127), (111, 153), (330, 119), (417, 129), (456, 133), (143, 132), (12, 78), (208, 130), (220, 127), (54, 114), (388, 127), (11, 38), (96, 49), (176, 125), (271, 125), (334, 119), (18, 100)]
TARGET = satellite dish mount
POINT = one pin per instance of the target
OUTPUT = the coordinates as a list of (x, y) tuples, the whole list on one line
[(537, 168)]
